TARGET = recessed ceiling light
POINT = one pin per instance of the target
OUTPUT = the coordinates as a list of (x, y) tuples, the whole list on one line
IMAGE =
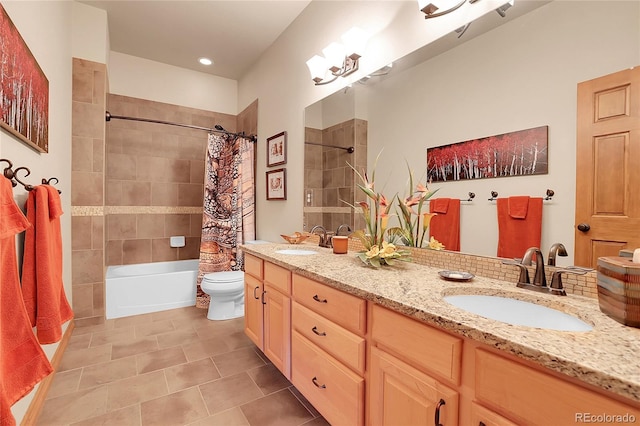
[(205, 61)]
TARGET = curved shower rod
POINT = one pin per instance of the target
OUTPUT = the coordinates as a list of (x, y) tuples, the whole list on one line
[(349, 149), (217, 128)]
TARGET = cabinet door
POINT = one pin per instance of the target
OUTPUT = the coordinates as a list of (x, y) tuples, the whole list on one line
[(402, 395), (277, 329), (253, 310), (482, 416)]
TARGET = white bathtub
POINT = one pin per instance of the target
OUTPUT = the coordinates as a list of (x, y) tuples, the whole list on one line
[(150, 287)]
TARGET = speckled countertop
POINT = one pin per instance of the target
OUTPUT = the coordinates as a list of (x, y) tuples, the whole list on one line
[(607, 356)]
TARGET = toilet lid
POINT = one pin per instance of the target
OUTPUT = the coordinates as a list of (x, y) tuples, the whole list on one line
[(224, 277)]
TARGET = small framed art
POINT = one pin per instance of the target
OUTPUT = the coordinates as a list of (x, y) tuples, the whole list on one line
[(277, 149), (277, 184)]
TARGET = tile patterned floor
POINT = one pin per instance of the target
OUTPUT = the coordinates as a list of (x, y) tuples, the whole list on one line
[(171, 368)]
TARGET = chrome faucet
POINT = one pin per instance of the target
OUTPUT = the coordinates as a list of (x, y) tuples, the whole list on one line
[(556, 249), (341, 227), (325, 238)]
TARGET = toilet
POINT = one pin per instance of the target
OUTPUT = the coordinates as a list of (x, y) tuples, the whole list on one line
[(226, 290)]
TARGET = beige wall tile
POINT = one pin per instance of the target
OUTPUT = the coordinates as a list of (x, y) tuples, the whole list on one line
[(81, 154), (136, 193), (136, 251), (190, 194), (164, 194), (97, 232), (177, 224), (161, 251), (121, 166), (81, 237), (150, 225), (196, 171), (152, 169), (82, 84), (98, 155), (178, 171), (191, 250), (114, 252), (87, 189), (196, 225), (86, 267), (113, 189), (121, 226), (88, 120), (82, 300)]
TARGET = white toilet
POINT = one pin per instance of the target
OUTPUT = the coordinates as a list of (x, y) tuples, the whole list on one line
[(226, 290)]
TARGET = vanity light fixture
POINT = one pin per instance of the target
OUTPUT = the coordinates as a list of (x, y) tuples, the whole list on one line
[(339, 60), (502, 9), (435, 8)]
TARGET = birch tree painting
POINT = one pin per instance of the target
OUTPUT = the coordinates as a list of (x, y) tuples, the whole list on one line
[(24, 89), (511, 154)]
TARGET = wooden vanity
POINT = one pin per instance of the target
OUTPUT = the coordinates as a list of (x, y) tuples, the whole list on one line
[(380, 347)]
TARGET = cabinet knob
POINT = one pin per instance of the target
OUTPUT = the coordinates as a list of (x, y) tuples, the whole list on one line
[(437, 415), (315, 382)]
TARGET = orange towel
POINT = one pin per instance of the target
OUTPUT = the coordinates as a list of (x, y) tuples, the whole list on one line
[(42, 287), (23, 363), (519, 225), (445, 226)]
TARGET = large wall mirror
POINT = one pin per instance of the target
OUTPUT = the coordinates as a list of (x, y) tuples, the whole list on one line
[(503, 74)]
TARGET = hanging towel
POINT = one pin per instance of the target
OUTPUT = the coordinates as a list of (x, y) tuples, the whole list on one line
[(42, 286), (23, 363), (445, 226), (519, 225)]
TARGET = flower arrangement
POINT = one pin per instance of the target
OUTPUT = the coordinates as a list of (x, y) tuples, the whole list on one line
[(377, 238), (378, 251), (414, 224)]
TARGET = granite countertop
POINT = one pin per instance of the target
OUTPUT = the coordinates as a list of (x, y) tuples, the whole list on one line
[(606, 356)]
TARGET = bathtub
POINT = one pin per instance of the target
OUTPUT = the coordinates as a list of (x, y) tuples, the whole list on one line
[(150, 287)]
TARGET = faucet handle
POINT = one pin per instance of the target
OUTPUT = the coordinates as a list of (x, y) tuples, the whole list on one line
[(524, 272), (556, 286)]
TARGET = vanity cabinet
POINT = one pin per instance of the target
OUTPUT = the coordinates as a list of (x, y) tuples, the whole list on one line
[(328, 350), (268, 310), (420, 387)]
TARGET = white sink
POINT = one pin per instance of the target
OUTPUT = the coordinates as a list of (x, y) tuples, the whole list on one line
[(518, 312), (296, 252)]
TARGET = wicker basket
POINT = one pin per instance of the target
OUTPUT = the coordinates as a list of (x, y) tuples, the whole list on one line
[(619, 289)]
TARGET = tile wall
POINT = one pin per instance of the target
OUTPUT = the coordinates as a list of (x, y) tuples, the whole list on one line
[(328, 178)]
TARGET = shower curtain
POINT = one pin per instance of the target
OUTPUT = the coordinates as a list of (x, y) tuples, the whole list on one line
[(229, 203)]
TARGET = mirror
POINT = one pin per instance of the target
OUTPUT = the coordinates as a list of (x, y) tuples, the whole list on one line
[(501, 75)]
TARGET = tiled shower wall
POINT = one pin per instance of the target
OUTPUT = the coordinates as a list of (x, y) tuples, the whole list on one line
[(155, 180), (134, 184), (329, 179), (87, 190)]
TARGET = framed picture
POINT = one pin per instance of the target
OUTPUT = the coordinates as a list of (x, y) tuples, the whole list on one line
[(24, 91), (277, 185), (277, 149)]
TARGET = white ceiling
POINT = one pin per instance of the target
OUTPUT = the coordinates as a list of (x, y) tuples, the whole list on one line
[(234, 34)]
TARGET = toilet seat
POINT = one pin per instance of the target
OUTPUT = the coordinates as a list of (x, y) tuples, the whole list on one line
[(223, 281)]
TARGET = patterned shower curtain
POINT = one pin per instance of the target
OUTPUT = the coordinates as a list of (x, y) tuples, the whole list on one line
[(229, 207)]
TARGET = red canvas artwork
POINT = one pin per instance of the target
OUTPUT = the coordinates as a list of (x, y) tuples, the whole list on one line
[(511, 154), (24, 89)]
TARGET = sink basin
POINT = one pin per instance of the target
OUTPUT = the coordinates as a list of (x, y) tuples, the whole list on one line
[(296, 252), (518, 312)]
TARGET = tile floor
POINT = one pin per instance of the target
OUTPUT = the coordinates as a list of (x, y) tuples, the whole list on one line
[(171, 368)]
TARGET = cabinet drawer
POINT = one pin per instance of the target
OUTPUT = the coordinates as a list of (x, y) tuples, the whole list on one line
[(342, 308), (278, 277), (534, 397), (424, 346), (484, 416), (337, 341), (253, 266), (334, 390)]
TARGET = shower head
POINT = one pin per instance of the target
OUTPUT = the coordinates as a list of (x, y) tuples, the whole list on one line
[(219, 127)]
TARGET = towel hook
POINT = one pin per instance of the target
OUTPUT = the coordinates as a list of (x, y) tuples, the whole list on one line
[(494, 195), (8, 172), (550, 194), (15, 176), (50, 182)]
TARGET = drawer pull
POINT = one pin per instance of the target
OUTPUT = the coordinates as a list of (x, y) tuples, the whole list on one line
[(263, 301), (315, 382), (481, 423), (319, 333), (317, 299), (254, 292), (437, 416)]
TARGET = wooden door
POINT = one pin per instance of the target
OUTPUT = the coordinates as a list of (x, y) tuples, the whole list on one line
[(607, 166), (277, 329), (399, 394), (253, 311)]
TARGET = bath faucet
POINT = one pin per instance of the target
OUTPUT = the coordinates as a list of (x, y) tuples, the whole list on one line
[(539, 279), (556, 249), (325, 238), (344, 225)]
